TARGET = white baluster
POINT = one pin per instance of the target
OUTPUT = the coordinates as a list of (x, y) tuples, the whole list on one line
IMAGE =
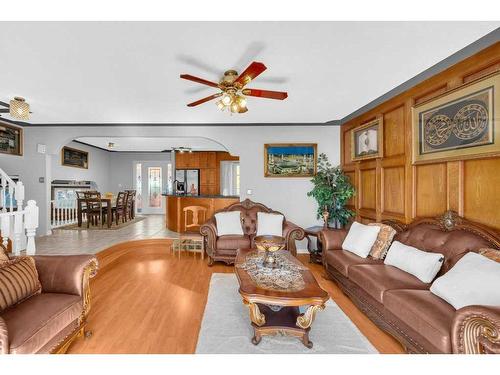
[(19, 195), (31, 224), (2, 196), (18, 231), (5, 229)]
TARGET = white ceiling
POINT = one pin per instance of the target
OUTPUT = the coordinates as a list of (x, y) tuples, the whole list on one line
[(156, 144), (119, 72)]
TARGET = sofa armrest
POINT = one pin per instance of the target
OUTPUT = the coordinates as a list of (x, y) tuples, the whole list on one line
[(4, 337), (209, 232), (65, 273), (476, 330), (292, 233), (331, 239)]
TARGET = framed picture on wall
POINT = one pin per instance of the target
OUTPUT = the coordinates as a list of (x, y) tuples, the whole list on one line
[(366, 140), (460, 124), (71, 157), (11, 139), (290, 159)]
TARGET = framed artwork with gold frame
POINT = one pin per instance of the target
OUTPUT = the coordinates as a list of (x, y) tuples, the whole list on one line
[(367, 140), (11, 139), (71, 157), (460, 124), (290, 159)]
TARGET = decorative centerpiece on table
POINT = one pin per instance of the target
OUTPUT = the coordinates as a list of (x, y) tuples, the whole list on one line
[(270, 245), (332, 190)]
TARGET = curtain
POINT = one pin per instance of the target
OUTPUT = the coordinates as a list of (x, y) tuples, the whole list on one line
[(229, 177)]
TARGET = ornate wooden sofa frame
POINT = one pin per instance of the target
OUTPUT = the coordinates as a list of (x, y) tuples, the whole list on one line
[(224, 248), (62, 275), (474, 329)]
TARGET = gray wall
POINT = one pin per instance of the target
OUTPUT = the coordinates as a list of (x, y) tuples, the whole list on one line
[(283, 194), (98, 171), (121, 174)]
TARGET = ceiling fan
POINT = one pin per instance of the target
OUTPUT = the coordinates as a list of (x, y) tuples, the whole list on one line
[(233, 89)]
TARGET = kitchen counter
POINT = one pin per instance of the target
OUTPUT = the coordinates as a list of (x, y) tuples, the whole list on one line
[(175, 204)]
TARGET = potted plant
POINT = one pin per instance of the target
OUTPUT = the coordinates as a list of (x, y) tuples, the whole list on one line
[(332, 189)]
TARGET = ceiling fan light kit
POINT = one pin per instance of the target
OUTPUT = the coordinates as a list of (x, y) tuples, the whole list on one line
[(19, 108), (232, 89)]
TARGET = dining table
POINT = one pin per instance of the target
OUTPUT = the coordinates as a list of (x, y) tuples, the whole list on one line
[(108, 202)]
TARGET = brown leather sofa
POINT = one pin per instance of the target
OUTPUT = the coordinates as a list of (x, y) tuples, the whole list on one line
[(402, 305), (224, 248), (50, 321)]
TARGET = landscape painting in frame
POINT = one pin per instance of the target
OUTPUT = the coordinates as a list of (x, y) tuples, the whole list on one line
[(72, 157), (461, 124), (290, 160), (366, 141), (11, 140)]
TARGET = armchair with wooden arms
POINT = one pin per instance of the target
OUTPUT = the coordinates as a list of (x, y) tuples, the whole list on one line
[(224, 248)]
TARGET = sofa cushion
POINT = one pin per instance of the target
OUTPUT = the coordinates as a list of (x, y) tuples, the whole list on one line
[(34, 322), (229, 223), (422, 264), (383, 242), (427, 314), (269, 224), (18, 281), (360, 239), (453, 244), (474, 280), (3, 255), (376, 279), (232, 242), (341, 260)]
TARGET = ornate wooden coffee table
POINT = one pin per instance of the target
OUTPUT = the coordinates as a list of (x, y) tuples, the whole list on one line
[(277, 311)]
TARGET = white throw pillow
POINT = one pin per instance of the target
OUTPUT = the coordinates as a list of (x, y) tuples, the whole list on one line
[(473, 280), (229, 223), (360, 239), (421, 264), (269, 224)]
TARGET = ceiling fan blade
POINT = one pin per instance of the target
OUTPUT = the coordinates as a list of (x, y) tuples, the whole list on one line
[(253, 70), (189, 77), (201, 101), (265, 94)]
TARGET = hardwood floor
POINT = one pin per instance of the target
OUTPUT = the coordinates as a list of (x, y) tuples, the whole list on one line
[(145, 300)]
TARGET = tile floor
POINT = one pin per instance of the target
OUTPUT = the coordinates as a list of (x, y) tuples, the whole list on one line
[(78, 242)]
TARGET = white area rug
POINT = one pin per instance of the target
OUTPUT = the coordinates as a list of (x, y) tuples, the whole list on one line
[(226, 327)]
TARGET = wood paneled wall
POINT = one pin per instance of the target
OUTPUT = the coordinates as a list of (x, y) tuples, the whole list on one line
[(392, 187)]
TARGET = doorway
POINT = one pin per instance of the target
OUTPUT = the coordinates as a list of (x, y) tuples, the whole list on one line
[(151, 179)]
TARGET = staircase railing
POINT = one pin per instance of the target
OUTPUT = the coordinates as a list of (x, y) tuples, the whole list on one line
[(18, 224), (63, 212)]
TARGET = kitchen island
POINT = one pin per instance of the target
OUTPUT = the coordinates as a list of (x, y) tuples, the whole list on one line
[(175, 205)]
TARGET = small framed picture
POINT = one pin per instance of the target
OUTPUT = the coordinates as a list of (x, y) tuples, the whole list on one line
[(290, 159), (11, 139), (366, 141), (71, 157)]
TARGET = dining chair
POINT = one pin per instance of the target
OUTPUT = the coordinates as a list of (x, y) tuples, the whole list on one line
[(94, 211), (121, 206), (130, 205), (131, 208)]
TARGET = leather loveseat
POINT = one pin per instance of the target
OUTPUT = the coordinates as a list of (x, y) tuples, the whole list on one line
[(224, 248), (401, 304), (50, 321)]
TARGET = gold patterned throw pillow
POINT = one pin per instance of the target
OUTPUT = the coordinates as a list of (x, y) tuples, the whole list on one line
[(492, 254), (383, 241), (18, 281)]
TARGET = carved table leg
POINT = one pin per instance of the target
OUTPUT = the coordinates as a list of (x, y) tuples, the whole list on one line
[(305, 320), (305, 340), (255, 315)]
